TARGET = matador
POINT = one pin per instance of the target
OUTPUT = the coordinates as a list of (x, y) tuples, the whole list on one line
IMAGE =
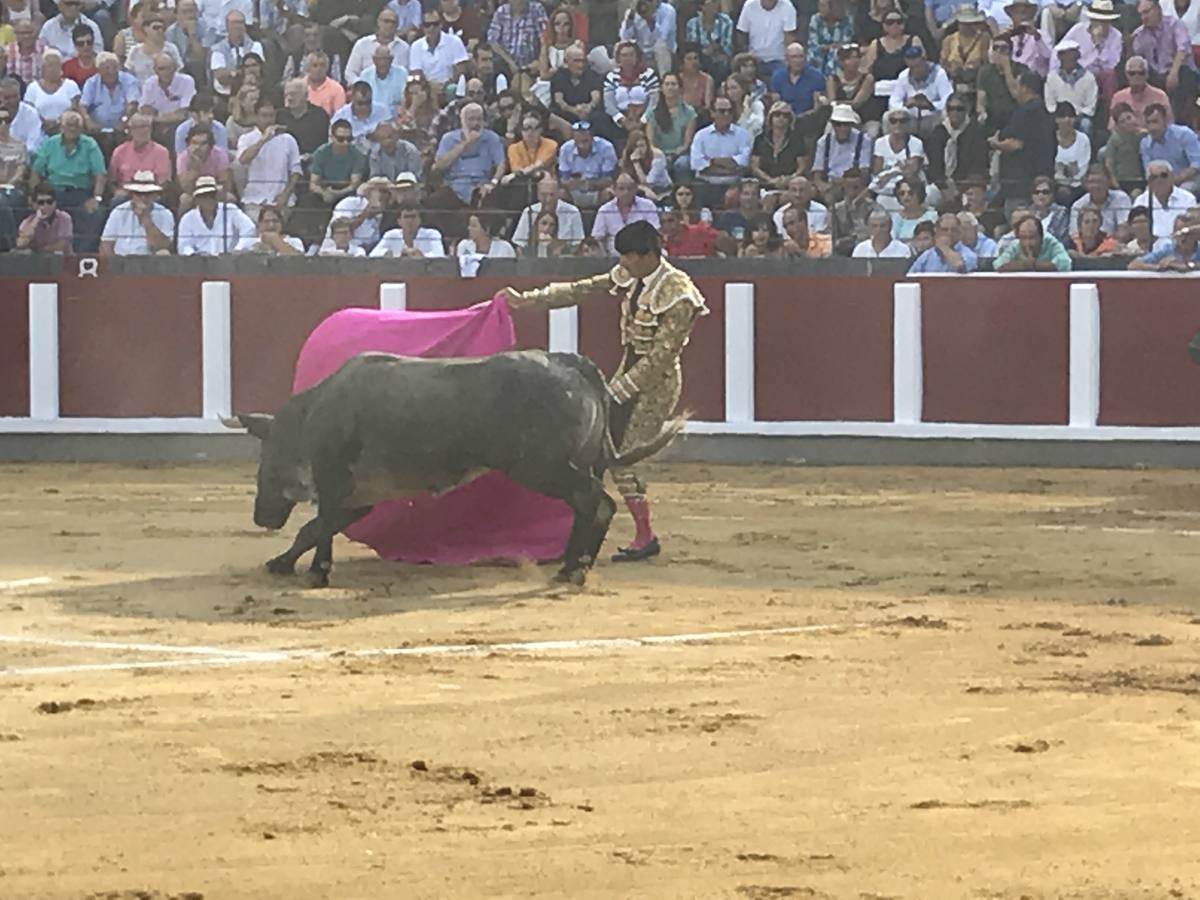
[(659, 306)]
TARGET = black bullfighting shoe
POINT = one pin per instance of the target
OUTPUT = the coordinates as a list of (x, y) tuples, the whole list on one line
[(634, 554)]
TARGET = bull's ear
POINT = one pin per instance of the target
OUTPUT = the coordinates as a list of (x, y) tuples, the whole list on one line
[(257, 424)]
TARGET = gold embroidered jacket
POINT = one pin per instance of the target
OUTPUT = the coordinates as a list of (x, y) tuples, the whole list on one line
[(657, 331)]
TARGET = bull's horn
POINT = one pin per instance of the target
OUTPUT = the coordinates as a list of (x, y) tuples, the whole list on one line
[(232, 422)]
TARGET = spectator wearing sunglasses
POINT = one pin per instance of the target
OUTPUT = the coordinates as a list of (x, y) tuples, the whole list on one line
[(82, 65), (48, 229), (957, 149), (1163, 197)]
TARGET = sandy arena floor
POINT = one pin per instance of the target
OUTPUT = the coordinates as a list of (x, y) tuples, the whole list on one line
[(1002, 699)]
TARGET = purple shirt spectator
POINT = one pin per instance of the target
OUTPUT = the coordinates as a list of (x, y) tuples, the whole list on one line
[(1103, 58), (610, 220), (1159, 45), (47, 232)]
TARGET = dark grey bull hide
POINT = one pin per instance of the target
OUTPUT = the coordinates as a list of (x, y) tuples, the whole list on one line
[(384, 426)]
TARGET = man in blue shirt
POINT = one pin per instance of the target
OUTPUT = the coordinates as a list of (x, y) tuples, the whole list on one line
[(109, 96), (471, 161), (586, 166), (797, 83), (721, 152), (1179, 253), (948, 253), (1176, 144)]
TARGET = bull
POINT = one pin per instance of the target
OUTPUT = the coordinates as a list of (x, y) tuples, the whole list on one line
[(384, 426)]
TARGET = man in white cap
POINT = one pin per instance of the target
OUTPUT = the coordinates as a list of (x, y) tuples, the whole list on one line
[(1100, 44), (365, 211), (631, 102), (213, 227), (140, 226), (845, 147), (1072, 83)]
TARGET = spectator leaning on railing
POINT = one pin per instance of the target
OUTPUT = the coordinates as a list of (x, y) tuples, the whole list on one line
[(948, 254), (1178, 253), (1033, 250)]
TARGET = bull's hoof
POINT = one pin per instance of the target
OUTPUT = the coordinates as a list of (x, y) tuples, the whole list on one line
[(281, 565), (574, 577), (317, 578)]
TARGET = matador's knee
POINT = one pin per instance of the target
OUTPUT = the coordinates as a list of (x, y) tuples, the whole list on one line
[(628, 483)]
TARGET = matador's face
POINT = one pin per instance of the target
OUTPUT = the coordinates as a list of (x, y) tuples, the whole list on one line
[(639, 265)]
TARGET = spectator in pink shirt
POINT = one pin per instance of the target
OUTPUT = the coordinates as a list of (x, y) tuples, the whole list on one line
[(138, 154), (1140, 94), (323, 91), (200, 158)]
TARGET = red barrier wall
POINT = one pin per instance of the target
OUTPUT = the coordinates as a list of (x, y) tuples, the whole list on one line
[(823, 349), (14, 347), (129, 346), (995, 350), (1146, 377)]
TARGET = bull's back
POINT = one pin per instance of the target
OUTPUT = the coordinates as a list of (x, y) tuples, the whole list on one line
[(461, 413)]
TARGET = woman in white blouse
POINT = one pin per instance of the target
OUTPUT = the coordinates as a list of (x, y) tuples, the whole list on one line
[(897, 155), (478, 245), (52, 94), (1073, 154)]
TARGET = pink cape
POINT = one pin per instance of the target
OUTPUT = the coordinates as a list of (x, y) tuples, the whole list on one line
[(489, 518)]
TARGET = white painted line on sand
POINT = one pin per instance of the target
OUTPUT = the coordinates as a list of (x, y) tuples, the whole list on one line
[(39, 641), (24, 582), (1116, 529), (237, 657)]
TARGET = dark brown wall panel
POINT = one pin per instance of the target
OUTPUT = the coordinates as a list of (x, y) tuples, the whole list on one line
[(14, 347), (129, 346), (995, 350), (823, 349), (1146, 377)]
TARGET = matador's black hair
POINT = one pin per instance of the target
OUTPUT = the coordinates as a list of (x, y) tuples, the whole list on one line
[(638, 237)]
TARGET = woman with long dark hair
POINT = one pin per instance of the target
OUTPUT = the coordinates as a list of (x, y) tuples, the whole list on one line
[(671, 125)]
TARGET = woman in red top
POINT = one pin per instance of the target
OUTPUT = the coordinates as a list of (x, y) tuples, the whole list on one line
[(1090, 240), (82, 66)]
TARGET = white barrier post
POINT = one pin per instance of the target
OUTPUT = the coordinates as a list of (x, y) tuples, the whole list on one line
[(739, 353), (564, 330), (216, 331), (393, 296), (908, 377), (1085, 356), (43, 351)]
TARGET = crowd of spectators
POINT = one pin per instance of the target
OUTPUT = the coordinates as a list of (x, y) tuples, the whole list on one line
[(1031, 135)]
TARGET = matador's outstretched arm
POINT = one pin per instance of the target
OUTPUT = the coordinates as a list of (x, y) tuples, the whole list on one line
[(567, 293)]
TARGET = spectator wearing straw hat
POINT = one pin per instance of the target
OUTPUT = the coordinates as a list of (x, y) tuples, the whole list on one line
[(965, 51), (213, 227), (1100, 44), (141, 225), (1071, 83), (922, 88), (845, 147)]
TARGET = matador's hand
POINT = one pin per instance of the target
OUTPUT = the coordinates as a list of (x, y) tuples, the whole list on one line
[(514, 297)]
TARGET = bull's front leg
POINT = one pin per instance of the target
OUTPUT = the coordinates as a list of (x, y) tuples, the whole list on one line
[(306, 538), (322, 561)]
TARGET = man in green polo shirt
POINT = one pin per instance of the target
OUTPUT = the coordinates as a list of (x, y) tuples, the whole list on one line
[(1032, 250), (72, 163)]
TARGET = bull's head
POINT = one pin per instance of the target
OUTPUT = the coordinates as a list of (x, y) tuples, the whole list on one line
[(284, 476)]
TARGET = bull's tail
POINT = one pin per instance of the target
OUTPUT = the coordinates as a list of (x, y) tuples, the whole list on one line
[(633, 455)]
